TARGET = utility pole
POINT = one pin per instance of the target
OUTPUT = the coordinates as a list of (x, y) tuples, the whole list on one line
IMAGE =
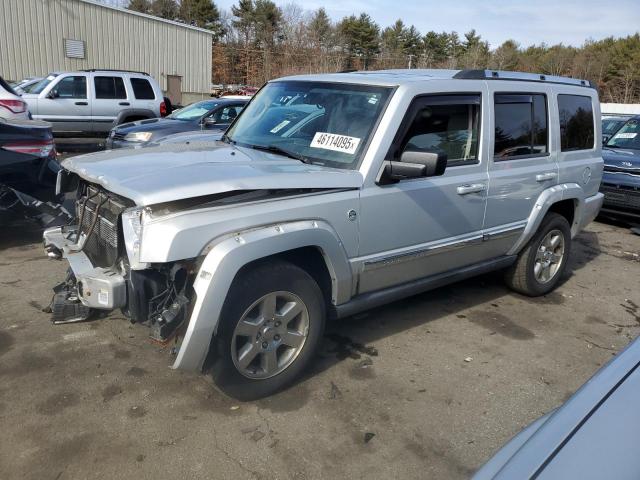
[(411, 60)]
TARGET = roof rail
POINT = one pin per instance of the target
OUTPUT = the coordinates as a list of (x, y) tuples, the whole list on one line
[(114, 70), (520, 76)]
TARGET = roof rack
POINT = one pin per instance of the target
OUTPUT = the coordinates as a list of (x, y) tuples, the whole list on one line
[(520, 76), (113, 70)]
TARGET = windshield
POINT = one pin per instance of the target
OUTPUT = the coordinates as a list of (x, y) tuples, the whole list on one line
[(325, 123), (42, 84), (193, 111), (610, 125), (627, 137)]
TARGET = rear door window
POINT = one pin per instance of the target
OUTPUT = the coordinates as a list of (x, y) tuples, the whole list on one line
[(521, 127), (109, 88), (576, 122), (142, 89)]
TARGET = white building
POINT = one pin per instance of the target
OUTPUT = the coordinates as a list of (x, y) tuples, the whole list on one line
[(42, 36)]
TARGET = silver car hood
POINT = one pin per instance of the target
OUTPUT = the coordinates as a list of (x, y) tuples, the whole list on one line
[(167, 173)]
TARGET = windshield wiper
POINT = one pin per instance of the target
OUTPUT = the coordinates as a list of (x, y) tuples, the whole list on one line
[(281, 151)]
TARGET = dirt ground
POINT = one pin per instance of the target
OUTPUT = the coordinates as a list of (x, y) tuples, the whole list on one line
[(391, 395)]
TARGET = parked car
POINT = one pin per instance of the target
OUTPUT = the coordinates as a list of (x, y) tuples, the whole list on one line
[(611, 124), (94, 101), (12, 107), (28, 156), (591, 436), (621, 178), (28, 172), (398, 183), (212, 115), (25, 85)]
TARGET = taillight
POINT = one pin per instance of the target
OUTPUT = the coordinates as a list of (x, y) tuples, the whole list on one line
[(39, 148), (16, 106), (163, 109)]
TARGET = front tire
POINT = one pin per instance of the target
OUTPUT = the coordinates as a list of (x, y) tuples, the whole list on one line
[(271, 325), (542, 262)]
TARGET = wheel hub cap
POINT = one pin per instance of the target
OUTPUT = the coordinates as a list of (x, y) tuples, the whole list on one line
[(270, 335), (549, 256)]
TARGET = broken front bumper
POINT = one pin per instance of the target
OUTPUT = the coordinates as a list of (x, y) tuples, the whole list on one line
[(97, 287)]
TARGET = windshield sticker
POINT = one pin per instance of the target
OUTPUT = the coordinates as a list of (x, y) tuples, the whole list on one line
[(337, 143), (280, 126), (626, 135), (373, 100)]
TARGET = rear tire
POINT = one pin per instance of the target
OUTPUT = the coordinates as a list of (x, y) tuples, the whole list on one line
[(271, 325), (542, 262)]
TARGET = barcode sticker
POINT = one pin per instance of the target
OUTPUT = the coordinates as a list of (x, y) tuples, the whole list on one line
[(337, 143)]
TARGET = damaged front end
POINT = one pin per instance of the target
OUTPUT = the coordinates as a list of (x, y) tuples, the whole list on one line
[(103, 250)]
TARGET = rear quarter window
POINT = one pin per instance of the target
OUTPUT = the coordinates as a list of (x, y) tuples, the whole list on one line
[(576, 122), (142, 89)]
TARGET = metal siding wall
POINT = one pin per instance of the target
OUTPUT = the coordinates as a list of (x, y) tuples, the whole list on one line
[(32, 33)]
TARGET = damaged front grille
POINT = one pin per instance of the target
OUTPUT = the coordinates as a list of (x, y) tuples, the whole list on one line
[(98, 214)]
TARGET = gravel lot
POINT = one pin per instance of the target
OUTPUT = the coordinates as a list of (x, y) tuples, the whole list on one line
[(391, 396)]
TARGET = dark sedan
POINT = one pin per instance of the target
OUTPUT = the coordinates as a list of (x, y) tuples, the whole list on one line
[(210, 115), (28, 157), (621, 177)]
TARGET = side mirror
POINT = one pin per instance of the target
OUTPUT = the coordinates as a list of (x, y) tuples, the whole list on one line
[(208, 122), (52, 94), (416, 164)]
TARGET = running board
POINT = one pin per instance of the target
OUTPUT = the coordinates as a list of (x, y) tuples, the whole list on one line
[(367, 301)]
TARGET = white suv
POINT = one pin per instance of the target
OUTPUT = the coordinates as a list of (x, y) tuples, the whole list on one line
[(12, 107), (95, 100)]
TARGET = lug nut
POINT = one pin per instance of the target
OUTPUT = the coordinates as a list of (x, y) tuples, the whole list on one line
[(265, 344), (276, 337)]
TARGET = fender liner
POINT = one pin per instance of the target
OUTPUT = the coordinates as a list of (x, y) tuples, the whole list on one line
[(225, 256), (555, 194), (131, 112)]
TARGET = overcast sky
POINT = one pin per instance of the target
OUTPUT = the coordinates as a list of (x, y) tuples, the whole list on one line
[(527, 21)]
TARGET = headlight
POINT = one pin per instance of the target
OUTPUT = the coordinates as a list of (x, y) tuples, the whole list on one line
[(138, 136), (132, 231)]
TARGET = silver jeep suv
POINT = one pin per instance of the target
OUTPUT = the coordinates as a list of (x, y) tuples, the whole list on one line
[(358, 190), (94, 101)]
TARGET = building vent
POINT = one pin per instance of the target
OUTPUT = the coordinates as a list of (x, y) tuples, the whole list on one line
[(73, 48)]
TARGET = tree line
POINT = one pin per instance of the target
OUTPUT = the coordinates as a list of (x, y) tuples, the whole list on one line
[(257, 40)]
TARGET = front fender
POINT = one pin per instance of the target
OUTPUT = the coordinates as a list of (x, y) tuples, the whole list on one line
[(557, 193), (225, 256)]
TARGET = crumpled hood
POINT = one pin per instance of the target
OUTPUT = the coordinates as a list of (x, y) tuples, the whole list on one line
[(622, 160), (166, 173)]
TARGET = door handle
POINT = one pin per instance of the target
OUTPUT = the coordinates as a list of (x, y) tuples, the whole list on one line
[(472, 188), (124, 103), (82, 103), (543, 177)]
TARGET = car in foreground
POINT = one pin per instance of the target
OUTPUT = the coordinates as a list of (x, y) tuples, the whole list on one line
[(205, 116), (591, 436), (372, 187), (12, 107), (93, 101), (611, 124), (621, 177)]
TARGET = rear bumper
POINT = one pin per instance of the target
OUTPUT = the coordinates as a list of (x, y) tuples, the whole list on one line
[(99, 288)]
